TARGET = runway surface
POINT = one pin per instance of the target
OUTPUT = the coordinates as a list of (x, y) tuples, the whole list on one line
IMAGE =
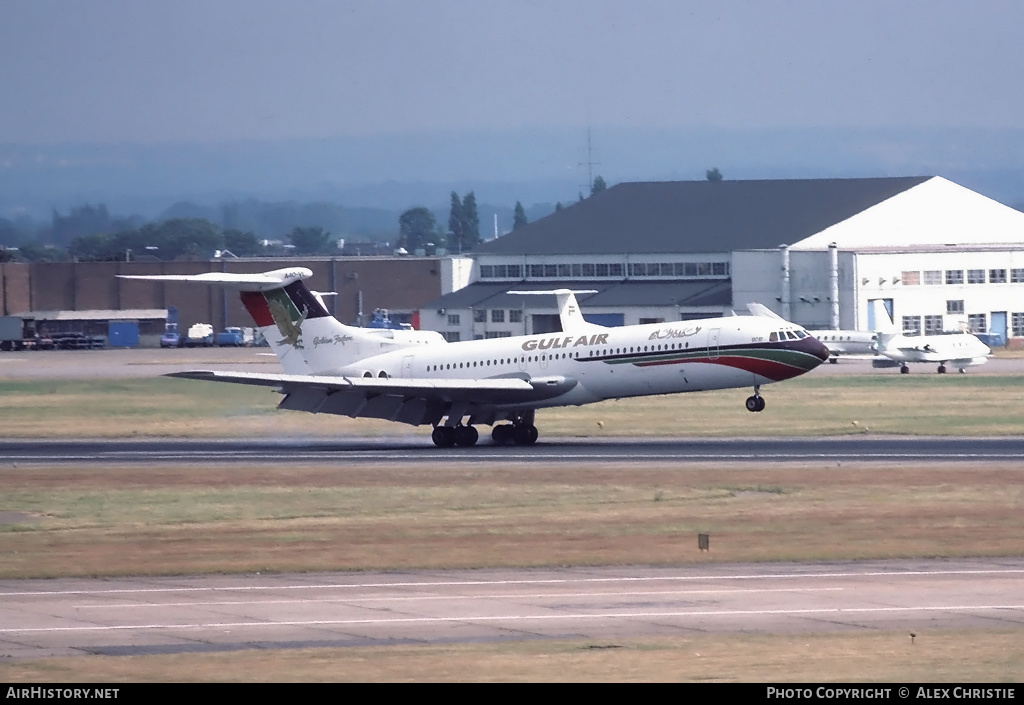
[(216, 613), (565, 450)]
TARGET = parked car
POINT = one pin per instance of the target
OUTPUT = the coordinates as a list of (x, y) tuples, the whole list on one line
[(170, 339)]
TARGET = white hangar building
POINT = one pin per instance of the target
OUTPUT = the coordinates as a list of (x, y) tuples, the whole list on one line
[(816, 251)]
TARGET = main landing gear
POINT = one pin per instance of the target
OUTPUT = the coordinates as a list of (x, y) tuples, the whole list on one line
[(756, 402), (520, 432), (448, 436)]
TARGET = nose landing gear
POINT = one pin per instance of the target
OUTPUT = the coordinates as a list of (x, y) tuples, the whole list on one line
[(756, 402)]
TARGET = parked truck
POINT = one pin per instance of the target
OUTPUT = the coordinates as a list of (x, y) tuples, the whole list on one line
[(199, 335), (233, 336), (17, 333)]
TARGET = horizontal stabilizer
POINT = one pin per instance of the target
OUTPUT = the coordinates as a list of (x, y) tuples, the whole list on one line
[(259, 281)]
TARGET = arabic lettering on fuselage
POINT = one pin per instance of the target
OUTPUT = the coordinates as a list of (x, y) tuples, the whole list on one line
[(664, 333)]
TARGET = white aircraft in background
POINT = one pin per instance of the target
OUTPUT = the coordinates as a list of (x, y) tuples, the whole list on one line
[(853, 344), (961, 350), (331, 368)]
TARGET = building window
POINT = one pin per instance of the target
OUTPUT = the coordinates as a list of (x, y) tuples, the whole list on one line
[(537, 270), (1017, 276), (910, 278), (932, 325), (515, 271), (550, 271), (997, 276), (975, 276), (497, 315), (1017, 324), (601, 270), (954, 276), (720, 269), (588, 270), (515, 316), (912, 325), (486, 271), (565, 270), (955, 306), (453, 319), (480, 315), (577, 271), (615, 270), (452, 336), (932, 277), (977, 322), (497, 334)]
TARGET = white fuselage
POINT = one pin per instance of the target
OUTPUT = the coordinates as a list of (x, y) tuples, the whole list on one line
[(659, 358), (846, 342), (959, 349)]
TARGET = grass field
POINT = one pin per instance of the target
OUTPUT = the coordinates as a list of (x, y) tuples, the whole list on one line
[(826, 405), (101, 521), (994, 656)]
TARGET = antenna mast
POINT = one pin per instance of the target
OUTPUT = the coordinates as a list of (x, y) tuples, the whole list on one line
[(590, 163)]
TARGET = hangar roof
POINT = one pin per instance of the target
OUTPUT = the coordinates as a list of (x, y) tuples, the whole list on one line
[(715, 293), (698, 216)]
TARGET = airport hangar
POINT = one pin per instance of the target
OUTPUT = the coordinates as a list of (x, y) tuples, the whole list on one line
[(815, 251)]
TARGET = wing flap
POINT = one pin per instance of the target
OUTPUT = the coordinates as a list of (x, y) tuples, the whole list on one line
[(411, 401)]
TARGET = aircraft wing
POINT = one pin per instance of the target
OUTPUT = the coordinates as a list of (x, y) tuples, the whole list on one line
[(408, 400)]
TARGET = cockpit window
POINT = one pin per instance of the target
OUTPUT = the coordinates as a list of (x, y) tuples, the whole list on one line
[(773, 338)]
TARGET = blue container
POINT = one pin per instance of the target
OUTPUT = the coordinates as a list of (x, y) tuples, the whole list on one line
[(123, 334)]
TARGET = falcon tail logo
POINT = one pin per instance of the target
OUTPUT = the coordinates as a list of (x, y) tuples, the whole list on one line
[(291, 330)]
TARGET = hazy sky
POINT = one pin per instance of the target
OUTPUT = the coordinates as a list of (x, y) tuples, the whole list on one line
[(151, 70)]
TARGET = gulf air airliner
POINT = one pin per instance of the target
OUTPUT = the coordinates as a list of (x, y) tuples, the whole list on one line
[(417, 378)]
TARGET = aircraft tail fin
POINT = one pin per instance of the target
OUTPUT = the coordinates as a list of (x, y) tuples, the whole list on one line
[(568, 308), (306, 338), (886, 335), (883, 321), (757, 309)]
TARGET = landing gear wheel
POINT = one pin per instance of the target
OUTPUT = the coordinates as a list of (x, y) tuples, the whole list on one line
[(443, 436), (502, 434), (524, 435), (466, 435), (755, 403), (942, 369), (904, 370)]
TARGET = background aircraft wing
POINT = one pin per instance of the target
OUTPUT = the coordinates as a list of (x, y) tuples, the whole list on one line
[(408, 400)]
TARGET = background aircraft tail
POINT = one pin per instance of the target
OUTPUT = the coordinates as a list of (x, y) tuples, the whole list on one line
[(885, 330), (568, 309)]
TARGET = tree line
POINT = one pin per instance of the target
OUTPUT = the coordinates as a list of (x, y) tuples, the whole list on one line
[(91, 233)]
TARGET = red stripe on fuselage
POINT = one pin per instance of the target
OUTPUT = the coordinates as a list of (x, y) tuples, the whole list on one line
[(770, 369), (256, 304)]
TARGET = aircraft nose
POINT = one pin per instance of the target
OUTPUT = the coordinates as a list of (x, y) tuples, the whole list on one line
[(818, 349)]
